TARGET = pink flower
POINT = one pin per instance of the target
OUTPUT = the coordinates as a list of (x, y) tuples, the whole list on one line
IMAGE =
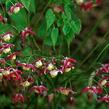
[(18, 98), (14, 76), (6, 48), (7, 36), (54, 73), (103, 69), (39, 89), (26, 32), (6, 71), (87, 5), (104, 99), (68, 64), (26, 66), (12, 56), (104, 81), (93, 89), (27, 82), (15, 8)]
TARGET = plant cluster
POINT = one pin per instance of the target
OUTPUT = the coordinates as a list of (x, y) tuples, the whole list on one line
[(26, 30)]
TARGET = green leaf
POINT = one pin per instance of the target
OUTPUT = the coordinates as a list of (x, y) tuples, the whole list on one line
[(76, 26), (66, 29), (42, 29), (70, 37), (59, 22), (27, 51), (26, 3), (4, 28), (32, 6), (68, 11), (50, 18), (9, 3), (54, 35), (19, 19)]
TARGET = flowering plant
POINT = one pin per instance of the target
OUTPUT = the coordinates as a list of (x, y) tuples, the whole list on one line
[(36, 66)]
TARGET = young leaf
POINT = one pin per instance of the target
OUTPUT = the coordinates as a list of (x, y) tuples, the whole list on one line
[(50, 18), (54, 35)]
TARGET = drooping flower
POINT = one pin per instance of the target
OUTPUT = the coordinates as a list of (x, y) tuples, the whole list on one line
[(68, 64), (103, 69), (104, 81), (6, 71), (7, 36), (26, 32), (54, 73), (18, 98), (104, 99), (14, 76), (88, 5), (27, 82), (26, 66), (39, 89), (12, 56), (15, 8), (6, 48), (93, 89)]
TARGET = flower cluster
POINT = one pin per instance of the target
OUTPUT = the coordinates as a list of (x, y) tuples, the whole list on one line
[(24, 75), (29, 76), (102, 84)]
